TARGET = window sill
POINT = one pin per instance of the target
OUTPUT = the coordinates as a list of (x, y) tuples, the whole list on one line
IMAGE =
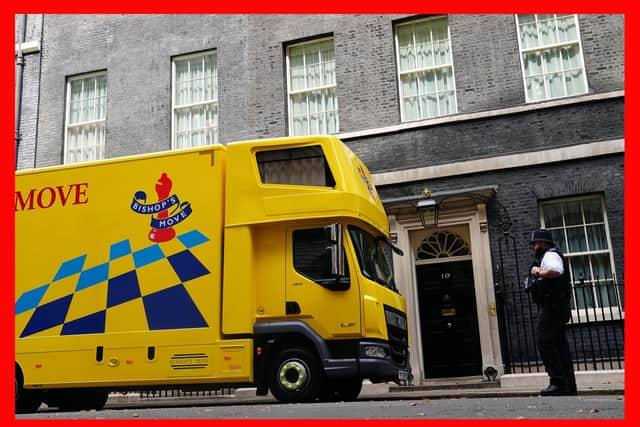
[(595, 315)]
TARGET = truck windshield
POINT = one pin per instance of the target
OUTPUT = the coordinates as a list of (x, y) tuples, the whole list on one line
[(374, 257)]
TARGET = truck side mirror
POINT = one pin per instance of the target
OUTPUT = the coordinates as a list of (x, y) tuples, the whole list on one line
[(333, 233)]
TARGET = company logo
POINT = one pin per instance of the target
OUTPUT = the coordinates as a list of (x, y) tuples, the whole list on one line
[(367, 180), (46, 197), (166, 213)]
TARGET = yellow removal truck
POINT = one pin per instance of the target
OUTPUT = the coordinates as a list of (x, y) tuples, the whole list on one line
[(262, 263)]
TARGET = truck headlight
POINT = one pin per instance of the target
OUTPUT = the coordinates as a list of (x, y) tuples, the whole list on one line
[(395, 319), (375, 351)]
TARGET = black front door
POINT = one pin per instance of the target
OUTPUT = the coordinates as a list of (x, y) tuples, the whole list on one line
[(448, 319)]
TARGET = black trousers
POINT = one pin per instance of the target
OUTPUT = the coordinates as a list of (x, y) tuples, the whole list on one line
[(554, 350)]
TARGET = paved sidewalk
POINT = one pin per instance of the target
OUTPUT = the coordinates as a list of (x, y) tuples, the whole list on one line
[(589, 383)]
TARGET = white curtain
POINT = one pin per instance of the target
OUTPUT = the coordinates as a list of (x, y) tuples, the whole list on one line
[(556, 71), (196, 83), (315, 112), (312, 76), (426, 73), (87, 112)]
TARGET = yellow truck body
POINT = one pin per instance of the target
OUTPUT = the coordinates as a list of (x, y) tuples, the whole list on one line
[(201, 268)]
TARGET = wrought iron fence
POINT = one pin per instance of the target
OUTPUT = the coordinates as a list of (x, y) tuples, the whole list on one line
[(595, 331), (151, 394)]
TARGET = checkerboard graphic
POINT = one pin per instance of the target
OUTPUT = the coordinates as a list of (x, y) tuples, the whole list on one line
[(86, 299)]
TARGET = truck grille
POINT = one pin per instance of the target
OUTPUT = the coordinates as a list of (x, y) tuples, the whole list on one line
[(398, 336)]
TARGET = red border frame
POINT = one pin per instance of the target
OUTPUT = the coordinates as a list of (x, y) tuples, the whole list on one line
[(7, 162)]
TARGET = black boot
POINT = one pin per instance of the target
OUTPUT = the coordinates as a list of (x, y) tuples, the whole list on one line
[(554, 390), (573, 389)]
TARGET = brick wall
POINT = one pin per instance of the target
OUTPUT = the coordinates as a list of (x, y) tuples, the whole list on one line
[(505, 134), (136, 51), (520, 189), (30, 83)]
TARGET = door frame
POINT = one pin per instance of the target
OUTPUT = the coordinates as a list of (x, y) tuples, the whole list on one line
[(440, 262), (408, 232)]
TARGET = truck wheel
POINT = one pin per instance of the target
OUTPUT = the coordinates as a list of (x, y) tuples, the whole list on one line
[(88, 399), (27, 401), (97, 400), (65, 400), (80, 399), (296, 376), (343, 390)]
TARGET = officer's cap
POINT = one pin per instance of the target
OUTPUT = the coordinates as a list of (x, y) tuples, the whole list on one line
[(541, 235)]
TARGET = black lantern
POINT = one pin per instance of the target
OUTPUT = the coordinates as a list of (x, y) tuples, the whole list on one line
[(428, 212), (429, 206)]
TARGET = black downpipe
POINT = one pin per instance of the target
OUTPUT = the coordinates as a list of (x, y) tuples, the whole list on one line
[(19, 79)]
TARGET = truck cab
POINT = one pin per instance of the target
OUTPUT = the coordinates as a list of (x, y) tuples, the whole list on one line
[(332, 305)]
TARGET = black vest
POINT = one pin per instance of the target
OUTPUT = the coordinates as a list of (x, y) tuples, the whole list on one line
[(554, 295)]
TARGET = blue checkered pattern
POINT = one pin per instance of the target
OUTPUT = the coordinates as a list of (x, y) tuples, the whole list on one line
[(169, 307)]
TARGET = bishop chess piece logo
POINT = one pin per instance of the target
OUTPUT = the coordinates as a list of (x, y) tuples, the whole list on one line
[(163, 190)]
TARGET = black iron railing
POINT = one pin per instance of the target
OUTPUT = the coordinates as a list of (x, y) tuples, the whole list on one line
[(595, 331), (151, 394), (148, 395)]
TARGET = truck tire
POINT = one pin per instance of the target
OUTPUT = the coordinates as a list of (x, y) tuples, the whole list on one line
[(94, 399), (100, 398), (296, 376), (346, 390), (77, 399), (27, 401)]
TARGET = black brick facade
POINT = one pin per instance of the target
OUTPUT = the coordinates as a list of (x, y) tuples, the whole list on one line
[(506, 134), (519, 191)]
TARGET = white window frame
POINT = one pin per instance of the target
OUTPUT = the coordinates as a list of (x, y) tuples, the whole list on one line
[(542, 48), (98, 145), (211, 103), (597, 312), (401, 73), (291, 93)]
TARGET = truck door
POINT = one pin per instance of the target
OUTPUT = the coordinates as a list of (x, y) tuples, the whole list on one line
[(330, 305)]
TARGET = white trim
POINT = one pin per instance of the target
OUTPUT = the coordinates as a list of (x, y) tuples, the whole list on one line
[(541, 47), (28, 47), (318, 40), (315, 89), (583, 316), (212, 102), (86, 75), (290, 93), (410, 232), (508, 161), (443, 260), (94, 75), (173, 103), (401, 73), (533, 106)]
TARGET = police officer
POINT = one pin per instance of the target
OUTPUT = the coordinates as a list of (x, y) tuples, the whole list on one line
[(551, 291)]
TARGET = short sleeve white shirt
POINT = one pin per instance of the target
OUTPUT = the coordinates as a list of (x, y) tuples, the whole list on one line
[(552, 261)]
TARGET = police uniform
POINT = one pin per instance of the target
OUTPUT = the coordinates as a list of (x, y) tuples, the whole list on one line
[(553, 297)]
